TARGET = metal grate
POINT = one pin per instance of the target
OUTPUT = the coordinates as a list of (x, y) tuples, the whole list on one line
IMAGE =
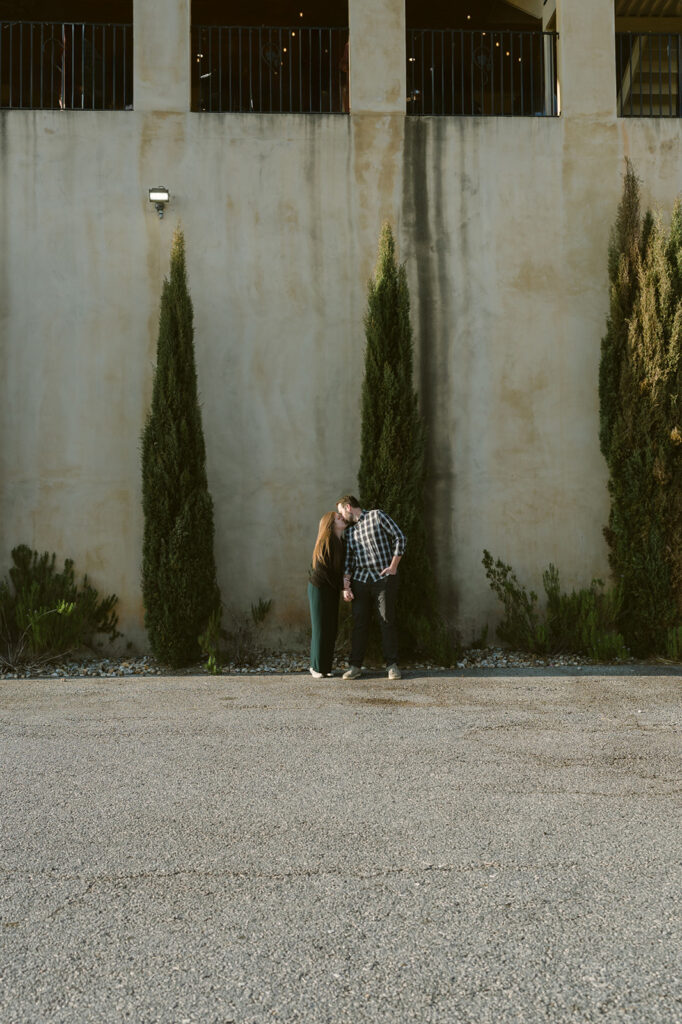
[(474, 73), (238, 69), (66, 66), (649, 74)]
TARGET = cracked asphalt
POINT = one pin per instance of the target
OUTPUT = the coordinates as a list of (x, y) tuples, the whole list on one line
[(453, 848)]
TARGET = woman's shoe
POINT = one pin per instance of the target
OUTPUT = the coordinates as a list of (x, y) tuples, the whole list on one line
[(316, 675)]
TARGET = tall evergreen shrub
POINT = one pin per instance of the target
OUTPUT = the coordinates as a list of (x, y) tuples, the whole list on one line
[(179, 583), (641, 421), (393, 437)]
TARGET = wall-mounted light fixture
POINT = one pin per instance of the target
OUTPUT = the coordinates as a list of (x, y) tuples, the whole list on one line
[(159, 196)]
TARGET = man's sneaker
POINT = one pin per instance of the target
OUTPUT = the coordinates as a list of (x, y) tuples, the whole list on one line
[(316, 675), (353, 672), (394, 672)]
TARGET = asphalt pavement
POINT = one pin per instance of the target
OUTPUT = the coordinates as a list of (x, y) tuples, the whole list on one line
[(453, 848)]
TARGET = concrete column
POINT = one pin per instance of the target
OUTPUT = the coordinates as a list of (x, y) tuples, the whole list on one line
[(377, 56), (587, 58), (162, 58)]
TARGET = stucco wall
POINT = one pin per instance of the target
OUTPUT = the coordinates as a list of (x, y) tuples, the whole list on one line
[(503, 224)]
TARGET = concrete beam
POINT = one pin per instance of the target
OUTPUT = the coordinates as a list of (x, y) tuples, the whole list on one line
[(532, 7)]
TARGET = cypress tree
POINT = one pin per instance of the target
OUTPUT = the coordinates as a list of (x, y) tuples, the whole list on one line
[(179, 585), (641, 424), (626, 246), (393, 437)]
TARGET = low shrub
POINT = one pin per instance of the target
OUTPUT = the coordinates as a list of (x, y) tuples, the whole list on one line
[(673, 644), (240, 641), (582, 622), (44, 613), (521, 627), (210, 642)]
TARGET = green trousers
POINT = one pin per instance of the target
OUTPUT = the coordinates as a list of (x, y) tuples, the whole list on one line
[(324, 618)]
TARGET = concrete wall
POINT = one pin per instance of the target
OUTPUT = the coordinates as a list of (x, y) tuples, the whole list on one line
[(504, 227)]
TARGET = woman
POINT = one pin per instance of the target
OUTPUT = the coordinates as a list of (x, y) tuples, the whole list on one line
[(324, 588)]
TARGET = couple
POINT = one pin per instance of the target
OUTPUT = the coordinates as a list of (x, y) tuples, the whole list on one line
[(357, 552)]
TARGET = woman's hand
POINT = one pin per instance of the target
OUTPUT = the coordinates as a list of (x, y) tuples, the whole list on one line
[(348, 594)]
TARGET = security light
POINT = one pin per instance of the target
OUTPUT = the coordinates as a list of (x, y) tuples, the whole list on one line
[(159, 196)]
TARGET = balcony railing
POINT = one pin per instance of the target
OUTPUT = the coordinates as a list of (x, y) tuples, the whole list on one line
[(66, 65), (649, 74), (474, 73), (239, 69)]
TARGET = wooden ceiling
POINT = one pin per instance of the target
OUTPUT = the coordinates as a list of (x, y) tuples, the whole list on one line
[(67, 10), (648, 8)]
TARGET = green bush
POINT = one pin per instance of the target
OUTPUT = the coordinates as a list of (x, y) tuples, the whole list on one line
[(44, 613), (582, 622)]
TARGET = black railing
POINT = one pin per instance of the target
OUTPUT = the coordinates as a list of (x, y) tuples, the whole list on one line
[(237, 69), (475, 73), (66, 65), (649, 74)]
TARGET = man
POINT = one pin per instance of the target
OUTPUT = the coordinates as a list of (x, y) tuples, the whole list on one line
[(374, 547)]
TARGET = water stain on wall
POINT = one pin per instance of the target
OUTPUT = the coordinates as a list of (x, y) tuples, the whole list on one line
[(424, 215)]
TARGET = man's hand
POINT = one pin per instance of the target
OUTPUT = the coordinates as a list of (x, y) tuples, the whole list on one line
[(348, 594), (392, 569)]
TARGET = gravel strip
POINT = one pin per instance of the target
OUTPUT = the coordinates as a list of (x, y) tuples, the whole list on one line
[(286, 663)]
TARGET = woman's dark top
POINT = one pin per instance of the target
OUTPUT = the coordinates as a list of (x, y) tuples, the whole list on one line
[(330, 573)]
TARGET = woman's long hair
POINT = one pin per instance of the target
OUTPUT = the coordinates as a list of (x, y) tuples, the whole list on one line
[(326, 542)]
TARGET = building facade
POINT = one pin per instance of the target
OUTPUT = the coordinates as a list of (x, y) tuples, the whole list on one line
[(502, 217)]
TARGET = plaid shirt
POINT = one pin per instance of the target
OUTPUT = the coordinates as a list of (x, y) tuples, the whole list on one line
[(371, 544)]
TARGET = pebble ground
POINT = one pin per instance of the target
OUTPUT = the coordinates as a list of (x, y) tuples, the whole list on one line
[(278, 663)]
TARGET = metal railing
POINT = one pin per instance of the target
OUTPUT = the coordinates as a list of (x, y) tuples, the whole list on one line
[(237, 69), (474, 73), (66, 65), (649, 74)]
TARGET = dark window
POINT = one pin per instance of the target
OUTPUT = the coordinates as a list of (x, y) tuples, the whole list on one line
[(68, 55), (649, 58), (270, 56), (477, 58)]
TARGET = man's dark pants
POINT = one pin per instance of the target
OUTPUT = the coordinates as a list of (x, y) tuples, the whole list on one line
[(382, 594)]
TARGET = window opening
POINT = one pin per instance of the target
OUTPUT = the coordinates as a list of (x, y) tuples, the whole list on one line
[(69, 55), (649, 58), (270, 56), (479, 58)]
